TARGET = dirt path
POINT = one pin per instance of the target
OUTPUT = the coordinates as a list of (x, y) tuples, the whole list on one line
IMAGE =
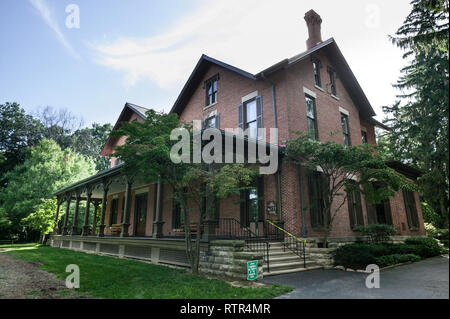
[(24, 280)]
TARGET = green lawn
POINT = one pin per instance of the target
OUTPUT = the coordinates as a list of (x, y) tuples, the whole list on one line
[(108, 277)]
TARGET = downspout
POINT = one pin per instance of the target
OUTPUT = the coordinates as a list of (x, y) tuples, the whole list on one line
[(275, 125)]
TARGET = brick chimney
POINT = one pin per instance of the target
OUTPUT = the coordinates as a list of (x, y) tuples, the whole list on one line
[(313, 21)]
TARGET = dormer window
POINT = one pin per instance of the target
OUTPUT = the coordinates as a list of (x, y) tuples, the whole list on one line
[(316, 68), (211, 90)]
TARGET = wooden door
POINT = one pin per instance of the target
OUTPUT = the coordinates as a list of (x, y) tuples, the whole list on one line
[(140, 213)]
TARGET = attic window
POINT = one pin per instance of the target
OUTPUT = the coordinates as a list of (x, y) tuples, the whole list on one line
[(316, 68), (332, 84), (211, 90)]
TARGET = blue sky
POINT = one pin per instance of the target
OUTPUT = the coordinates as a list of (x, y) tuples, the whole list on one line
[(142, 51)]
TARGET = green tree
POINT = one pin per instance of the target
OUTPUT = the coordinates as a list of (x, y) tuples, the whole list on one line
[(344, 169), (42, 219), (18, 131), (89, 141), (419, 121), (147, 153), (46, 169)]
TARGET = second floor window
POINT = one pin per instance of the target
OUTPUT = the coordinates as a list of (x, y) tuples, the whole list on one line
[(316, 69), (311, 117), (345, 130), (332, 75), (250, 116), (211, 90)]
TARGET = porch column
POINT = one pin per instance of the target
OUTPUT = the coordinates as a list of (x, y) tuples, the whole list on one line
[(66, 217), (85, 231), (75, 215), (101, 227), (58, 206), (94, 222), (158, 223), (126, 218)]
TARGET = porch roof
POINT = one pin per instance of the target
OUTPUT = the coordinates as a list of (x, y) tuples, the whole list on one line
[(116, 170)]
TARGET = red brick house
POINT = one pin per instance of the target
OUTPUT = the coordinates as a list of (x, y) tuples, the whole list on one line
[(314, 92)]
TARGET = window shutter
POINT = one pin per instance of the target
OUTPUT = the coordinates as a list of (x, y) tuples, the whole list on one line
[(241, 116), (259, 119), (387, 211), (323, 185), (414, 213), (411, 210), (407, 208), (218, 121), (351, 209), (261, 207), (359, 213)]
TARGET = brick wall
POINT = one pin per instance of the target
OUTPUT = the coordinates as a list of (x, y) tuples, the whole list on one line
[(291, 117)]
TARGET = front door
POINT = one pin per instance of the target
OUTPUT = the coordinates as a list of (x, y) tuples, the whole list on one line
[(140, 213)]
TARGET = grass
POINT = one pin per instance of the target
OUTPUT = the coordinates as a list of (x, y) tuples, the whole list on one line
[(109, 277)]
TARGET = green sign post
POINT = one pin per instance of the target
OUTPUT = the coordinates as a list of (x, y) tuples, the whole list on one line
[(252, 270)]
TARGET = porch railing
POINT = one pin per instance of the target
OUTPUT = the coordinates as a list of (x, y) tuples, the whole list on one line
[(230, 228), (291, 242)]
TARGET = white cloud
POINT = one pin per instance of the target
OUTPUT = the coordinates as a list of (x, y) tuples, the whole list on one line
[(234, 31), (47, 15), (255, 34)]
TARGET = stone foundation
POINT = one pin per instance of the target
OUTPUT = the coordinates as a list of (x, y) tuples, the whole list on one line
[(321, 256), (227, 258)]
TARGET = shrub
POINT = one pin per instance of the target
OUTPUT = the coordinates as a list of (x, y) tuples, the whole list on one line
[(394, 259), (426, 247), (377, 233), (356, 256)]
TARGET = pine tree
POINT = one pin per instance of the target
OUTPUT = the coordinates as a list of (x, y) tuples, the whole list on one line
[(419, 121)]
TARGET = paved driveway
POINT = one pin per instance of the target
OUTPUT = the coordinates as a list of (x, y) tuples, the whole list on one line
[(424, 279)]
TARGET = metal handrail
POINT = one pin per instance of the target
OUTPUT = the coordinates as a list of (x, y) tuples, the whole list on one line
[(244, 233), (292, 237)]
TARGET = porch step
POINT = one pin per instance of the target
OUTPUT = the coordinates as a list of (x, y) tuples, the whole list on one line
[(288, 264), (288, 271), (283, 260)]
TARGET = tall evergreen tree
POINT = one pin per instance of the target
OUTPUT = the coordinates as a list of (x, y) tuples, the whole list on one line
[(419, 121)]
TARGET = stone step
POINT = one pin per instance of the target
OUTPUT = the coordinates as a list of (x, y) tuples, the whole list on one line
[(284, 258), (286, 265), (291, 270), (281, 253)]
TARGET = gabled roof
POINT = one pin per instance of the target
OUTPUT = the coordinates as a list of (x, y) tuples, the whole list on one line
[(329, 46), (127, 110), (196, 76)]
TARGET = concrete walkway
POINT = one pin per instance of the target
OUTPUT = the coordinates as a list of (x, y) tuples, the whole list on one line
[(426, 279)]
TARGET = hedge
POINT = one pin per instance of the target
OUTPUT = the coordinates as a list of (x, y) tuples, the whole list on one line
[(358, 256), (394, 259)]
